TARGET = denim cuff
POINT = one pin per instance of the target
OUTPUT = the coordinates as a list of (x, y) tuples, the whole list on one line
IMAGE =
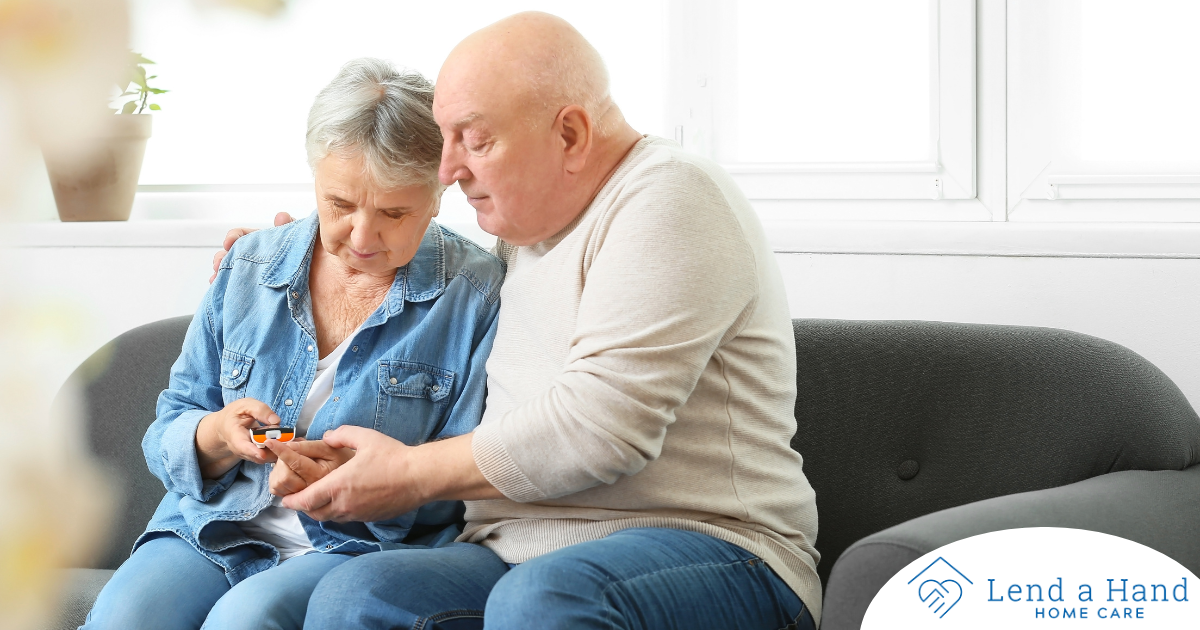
[(178, 449)]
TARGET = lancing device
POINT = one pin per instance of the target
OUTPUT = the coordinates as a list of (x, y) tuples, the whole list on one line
[(260, 435)]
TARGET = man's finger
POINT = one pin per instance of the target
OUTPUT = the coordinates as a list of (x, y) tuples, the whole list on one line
[(314, 449), (305, 468), (217, 258), (314, 497), (348, 437), (232, 236), (281, 218)]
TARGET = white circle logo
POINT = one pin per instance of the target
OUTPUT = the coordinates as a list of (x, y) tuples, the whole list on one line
[(1039, 577)]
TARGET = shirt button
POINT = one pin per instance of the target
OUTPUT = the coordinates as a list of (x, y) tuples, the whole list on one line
[(354, 349), (393, 380), (328, 547), (310, 348), (235, 372), (295, 294), (436, 387), (288, 402), (336, 398)]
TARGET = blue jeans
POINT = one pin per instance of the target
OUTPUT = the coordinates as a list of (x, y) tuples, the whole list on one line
[(636, 578), (168, 585)]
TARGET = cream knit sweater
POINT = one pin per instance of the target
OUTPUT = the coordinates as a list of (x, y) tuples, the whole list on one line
[(644, 375)]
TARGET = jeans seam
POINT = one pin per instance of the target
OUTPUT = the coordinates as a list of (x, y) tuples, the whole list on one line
[(613, 611), (448, 614)]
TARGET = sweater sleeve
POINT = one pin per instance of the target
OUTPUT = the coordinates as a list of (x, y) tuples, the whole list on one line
[(670, 277)]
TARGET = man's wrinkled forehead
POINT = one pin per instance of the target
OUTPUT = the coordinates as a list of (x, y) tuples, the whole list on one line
[(481, 84), (457, 103)]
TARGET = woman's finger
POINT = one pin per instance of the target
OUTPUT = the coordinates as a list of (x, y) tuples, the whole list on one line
[(241, 445), (250, 412), (283, 481), (303, 467)]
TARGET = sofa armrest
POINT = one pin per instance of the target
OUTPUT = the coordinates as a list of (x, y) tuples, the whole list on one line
[(1158, 509)]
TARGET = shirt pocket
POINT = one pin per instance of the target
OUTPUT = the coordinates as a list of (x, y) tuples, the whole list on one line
[(413, 398), (235, 372)]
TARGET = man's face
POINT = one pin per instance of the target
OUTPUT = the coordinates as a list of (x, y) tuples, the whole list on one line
[(509, 168)]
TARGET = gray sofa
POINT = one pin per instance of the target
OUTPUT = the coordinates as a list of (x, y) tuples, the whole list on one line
[(914, 434)]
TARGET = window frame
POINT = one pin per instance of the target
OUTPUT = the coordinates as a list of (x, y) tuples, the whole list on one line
[(697, 69)]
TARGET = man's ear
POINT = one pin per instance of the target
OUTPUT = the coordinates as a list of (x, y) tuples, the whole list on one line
[(575, 128)]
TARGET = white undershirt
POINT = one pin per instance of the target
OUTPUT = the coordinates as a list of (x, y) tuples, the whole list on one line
[(276, 524)]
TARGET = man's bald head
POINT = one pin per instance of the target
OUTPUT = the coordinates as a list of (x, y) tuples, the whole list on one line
[(544, 65), (529, 130)]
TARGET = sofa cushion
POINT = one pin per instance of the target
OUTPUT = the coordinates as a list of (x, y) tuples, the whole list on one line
[(900, 419)]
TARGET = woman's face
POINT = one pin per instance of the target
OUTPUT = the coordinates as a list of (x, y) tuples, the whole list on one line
[(369, 229)]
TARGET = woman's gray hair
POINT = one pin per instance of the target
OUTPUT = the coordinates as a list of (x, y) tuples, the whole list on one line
[(383, 114)]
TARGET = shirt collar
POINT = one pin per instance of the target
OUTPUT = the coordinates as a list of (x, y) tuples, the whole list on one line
[(423, 278)]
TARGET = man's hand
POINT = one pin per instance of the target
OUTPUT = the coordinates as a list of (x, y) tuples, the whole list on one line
[(302, 463), (223, 437), (387, 478), (233, 235)]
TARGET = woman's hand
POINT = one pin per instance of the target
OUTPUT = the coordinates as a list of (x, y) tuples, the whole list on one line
[(303, 462), (223, 437)]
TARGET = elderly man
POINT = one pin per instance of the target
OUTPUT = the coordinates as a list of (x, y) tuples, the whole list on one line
[(632, 468)]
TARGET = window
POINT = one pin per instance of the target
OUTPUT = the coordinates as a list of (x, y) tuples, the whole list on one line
[(229, 142), (1022, 110), (861, 99), (1103, 97)]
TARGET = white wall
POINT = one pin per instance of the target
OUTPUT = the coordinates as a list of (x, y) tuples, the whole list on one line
[(1147, 305), (137, 272)]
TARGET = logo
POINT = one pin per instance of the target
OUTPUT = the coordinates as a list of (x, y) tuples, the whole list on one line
[(1043, 578), (941, 589)]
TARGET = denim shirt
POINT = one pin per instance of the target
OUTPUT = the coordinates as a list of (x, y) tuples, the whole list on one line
[(414, 371)]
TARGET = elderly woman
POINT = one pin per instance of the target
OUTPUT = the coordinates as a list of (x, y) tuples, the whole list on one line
[(365, 314)]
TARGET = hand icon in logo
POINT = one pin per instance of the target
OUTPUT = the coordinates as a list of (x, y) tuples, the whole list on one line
[(938, 595)]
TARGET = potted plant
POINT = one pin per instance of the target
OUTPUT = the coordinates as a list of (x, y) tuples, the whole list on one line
[(97, 180)]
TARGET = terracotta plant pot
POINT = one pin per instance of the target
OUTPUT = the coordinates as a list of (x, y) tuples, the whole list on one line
[(96, 181)]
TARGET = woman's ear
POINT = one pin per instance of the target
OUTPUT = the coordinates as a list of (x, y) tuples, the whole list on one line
[(575, 128)]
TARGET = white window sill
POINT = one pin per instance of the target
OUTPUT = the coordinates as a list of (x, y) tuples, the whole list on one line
[(974, 238), (929, 238), (168, 233)]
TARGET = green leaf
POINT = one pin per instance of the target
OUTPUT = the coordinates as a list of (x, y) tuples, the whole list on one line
[(156, 91), (139, 76), (155, 107), (138, 59), (128, 108)]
